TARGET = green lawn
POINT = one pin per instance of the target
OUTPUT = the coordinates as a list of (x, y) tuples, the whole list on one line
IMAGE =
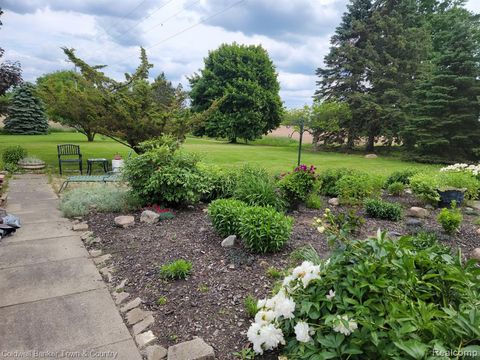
[(280, 157)]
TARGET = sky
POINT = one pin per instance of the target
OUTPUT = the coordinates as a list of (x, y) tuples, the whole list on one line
[(177, 35)]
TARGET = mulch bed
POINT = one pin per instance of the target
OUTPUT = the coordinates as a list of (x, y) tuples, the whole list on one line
[(209, 304)]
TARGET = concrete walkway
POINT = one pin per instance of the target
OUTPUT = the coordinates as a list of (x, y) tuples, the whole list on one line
[(53, 302)]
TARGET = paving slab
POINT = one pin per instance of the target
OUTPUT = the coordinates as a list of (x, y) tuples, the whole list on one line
[(35, 252), (36, 216), (124, 350), (79, 321), (37, 231), (15, 207), (42, 281)]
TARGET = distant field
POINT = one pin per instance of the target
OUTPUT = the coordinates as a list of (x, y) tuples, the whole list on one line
[(273, 153)]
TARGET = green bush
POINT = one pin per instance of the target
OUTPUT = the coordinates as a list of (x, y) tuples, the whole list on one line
[(424, 186), (352, 189), (219, 183), (396, 188), (80, 201), (225, 215), (263, 229), (296, 186), (393, 301), (400, 176), (13, 154), (313, 201), (176, 270), (329, 178), (450, 219), (383, 209), (256, 187)]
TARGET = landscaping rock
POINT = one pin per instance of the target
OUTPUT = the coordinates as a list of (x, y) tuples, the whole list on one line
[(149, 217), (125, 221), (475, 254), (156, 352), (145, 339), (414, 222), (143, 325), (131, 305), (121, 285), (417, 212), (86, 235), (475, 204), (371, 156), (136, 315), (95, 253), (102, 259), (394, 234), (107, 272), (120, 297), (229, 241), (478, 231), (80, 227), (334, 202), (196, 349)]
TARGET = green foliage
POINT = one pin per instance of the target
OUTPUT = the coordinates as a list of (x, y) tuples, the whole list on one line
[(424, 186), (305, 253), (219, 182), (329, 178), (176, 270), (162, 300), (225, 215), (26, 114), (13, 154), (296, 186), (274, 273), (394, 301), (400, 176), (263, 229), (80, 201), (450, 219), (242, 79), (383, 209), (352, 189), (313, 201), (396, 188), (338, 228), (250, 303), (256, 187)]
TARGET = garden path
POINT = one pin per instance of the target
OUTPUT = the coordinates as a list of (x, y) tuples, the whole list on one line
[(52, 298)]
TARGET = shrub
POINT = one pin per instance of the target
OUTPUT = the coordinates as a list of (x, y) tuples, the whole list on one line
[(450, 219), (329, 178), (383, 209), (219, 183), (313, 201), (297, 185), (396, 188), (225, 215), (250, 303), (13, 154), (256, 187), (80, 201), (176, 270), (263, 229), (352, 189), (400, 176), (393, 301), (424, 186)]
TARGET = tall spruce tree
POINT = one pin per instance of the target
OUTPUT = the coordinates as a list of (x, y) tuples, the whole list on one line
[(446, 115), (26, 114)]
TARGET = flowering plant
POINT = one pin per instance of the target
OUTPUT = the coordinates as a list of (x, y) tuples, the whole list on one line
[(473, 169), (338, 227), (163, 212), (296, 186), (375, 298)]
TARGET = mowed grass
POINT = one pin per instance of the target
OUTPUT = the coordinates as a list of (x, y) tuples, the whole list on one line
[(274, 154)]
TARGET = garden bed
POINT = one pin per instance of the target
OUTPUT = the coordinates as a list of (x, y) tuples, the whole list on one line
[(210, 303)]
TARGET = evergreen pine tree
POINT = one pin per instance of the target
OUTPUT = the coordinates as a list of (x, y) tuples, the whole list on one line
[(26, 114), (447, 111)]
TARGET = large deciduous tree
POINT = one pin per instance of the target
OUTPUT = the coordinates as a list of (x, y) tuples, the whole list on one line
[(242, 82)]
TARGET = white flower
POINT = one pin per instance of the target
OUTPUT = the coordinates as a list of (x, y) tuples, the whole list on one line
[(261, 303), (264, 317), (321, 229), (302, 331), (307, 272), (342, 328), (264, 337), (253, 335), (283, 305), (331, 295)]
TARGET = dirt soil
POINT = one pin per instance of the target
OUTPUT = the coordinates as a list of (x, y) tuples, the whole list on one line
[(210, 303)]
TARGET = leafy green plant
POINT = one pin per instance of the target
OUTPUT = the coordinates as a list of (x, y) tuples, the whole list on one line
[(424, 186), (256, 187), (296, 186), (396, 188), (263, 229), (384, 210), (450, 219), (328, 179), (250, 304), (274, 273), (80, 201), (178, 269), (219, 182), (313, 201), (13, 154), (400, 176), (352, 189), (245, 354), (338, 228), (394, 300), (305, 253), (162, 300), (225, 215)]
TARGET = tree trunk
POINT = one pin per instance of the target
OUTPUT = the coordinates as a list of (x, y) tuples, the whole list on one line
[(350, 140), (315, 141), (371, 143), (90, 136), (233, 141)]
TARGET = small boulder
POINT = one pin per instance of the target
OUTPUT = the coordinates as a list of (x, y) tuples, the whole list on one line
[(156, 352), (229, 241), (145, 339), (371, 156), (334, 202), (125, 221), (95, 253), (475, 254), (195, 349), (101, 259), (394, 234), (149, 217), (86, 235), (136, 315), (131, 305), (475, 204), (478, 231), (120, 297), (414, 222), (417, 212), (83, 226)]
